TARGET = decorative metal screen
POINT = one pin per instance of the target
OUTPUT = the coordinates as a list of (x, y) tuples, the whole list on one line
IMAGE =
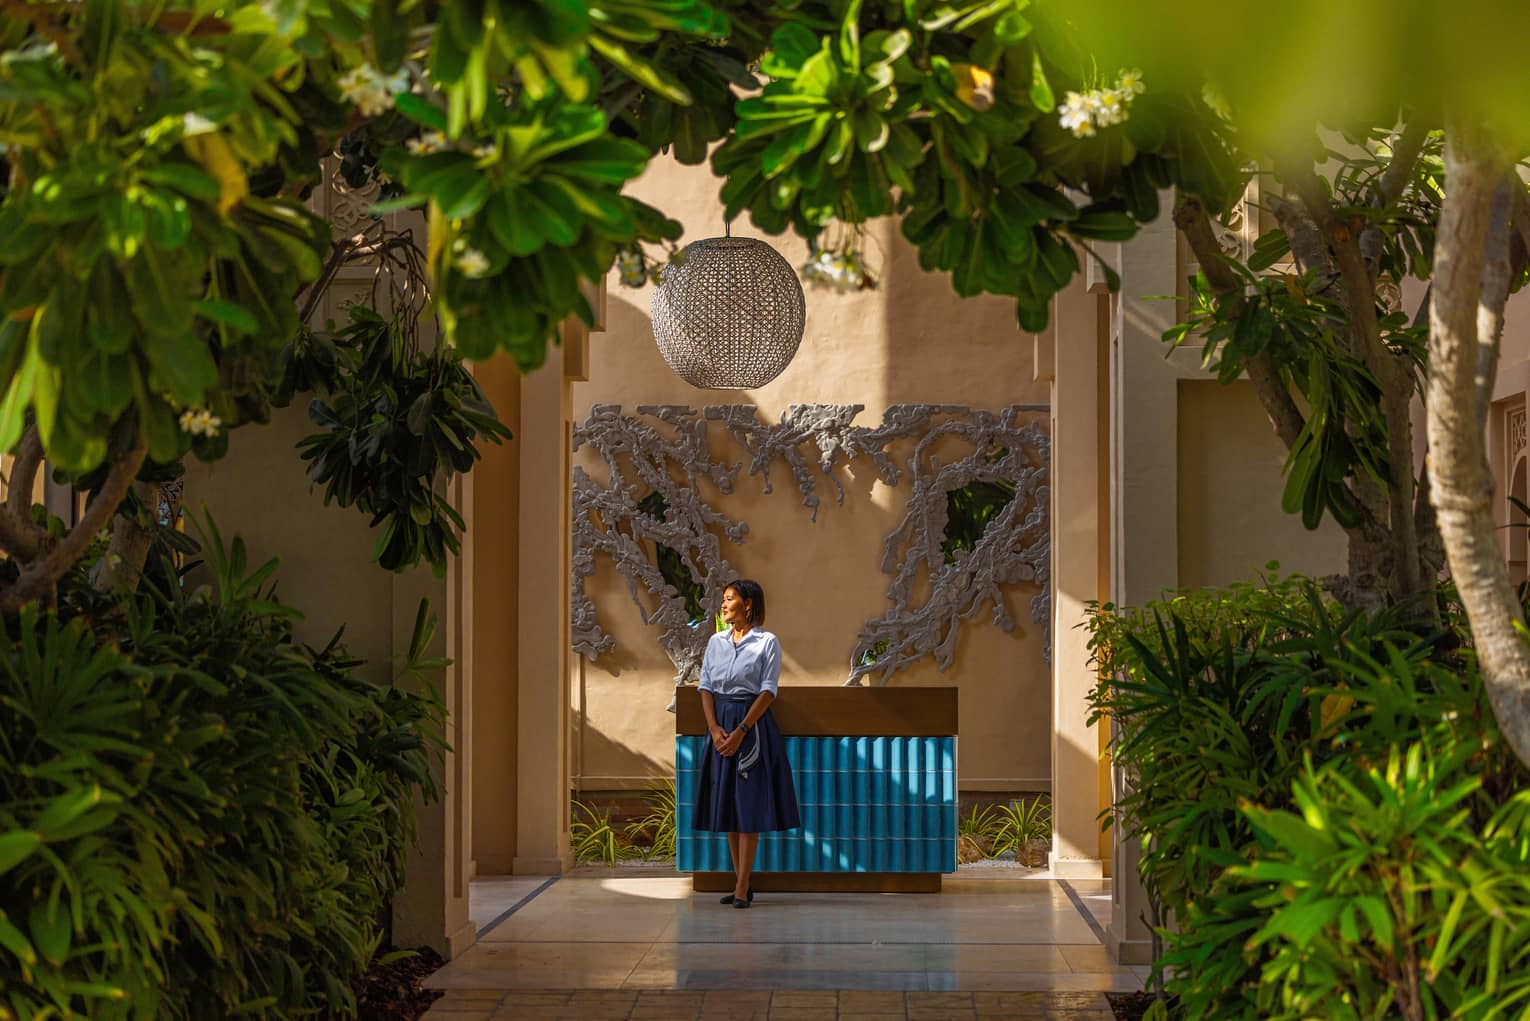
[(728, 314), (869, 804)]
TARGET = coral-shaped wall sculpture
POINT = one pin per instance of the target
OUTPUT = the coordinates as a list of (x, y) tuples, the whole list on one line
[(1009, 449)]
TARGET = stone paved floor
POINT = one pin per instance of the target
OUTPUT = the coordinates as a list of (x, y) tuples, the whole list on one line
[(768, 1005), (645, 946)]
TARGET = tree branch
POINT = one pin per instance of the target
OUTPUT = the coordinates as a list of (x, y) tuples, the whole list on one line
[(19, 535), (29, 457), (128, 548), (1392, 371), (1191, 218), (340, 251), (1462, 490), (39, 577), (1194, 222), (1307, 245), (1404, 157), (1358, 285)]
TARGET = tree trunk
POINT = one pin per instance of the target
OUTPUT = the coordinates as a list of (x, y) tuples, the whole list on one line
[(1461, 481), (122, 564)]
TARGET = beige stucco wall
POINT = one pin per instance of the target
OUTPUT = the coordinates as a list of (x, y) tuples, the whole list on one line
[(1230, 522), (260, 492), (910, 340)]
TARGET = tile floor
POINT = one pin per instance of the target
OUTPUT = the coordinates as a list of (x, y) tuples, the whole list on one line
[(616, 945)]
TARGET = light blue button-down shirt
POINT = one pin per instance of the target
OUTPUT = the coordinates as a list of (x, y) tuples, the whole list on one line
[(747, 667)]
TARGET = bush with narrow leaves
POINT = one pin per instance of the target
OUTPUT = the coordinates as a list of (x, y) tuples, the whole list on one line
[(199, 816), (1318, 793)]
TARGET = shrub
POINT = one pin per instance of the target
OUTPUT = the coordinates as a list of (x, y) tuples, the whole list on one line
[(199, 816), (1235, 708), (594, 839), (982, 823), (1019, 822), (658, 826)]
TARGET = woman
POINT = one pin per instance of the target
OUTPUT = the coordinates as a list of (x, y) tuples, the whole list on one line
[(745, 786)]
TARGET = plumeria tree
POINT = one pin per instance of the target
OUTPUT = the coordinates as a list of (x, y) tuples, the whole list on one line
[(1398, 152), (157, 155)]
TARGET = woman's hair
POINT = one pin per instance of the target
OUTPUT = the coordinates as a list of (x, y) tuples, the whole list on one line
[(750, 592)]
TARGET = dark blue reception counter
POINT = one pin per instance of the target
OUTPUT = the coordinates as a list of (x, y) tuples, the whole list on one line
[(875, 770)]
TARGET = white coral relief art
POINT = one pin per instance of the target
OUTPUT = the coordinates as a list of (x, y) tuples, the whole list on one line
[(658, 459)]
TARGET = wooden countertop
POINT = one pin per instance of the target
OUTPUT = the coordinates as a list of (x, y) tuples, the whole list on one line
[(813, 711)]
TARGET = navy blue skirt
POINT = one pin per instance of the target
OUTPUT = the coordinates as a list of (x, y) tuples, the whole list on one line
[(750, 791)]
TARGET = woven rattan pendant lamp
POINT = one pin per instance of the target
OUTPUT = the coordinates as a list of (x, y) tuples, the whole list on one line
[(728, 314)]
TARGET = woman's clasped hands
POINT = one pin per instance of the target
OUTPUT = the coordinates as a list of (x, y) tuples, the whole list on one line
[(727, 743)]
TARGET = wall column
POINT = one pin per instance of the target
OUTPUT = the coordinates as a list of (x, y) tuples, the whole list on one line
[(543, 780), (432, 909), (1144, 498), (1076, 498)]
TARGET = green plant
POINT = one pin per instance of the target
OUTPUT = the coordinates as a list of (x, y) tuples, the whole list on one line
[(396, 421), (593, 838), (151, 240), (1228, 701), (982, 823), (658, 826), (1381, 896), (1022, 821), (199, 816), (969, 509)]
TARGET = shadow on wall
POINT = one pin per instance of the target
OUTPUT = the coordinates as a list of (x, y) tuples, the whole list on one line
[(597, 746), (979, 337)]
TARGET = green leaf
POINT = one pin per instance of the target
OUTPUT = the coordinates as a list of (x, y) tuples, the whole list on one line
[(51, 929), (12, 939), (1291, 832), (16, 846), (1041, 89), (390, 34), (1271, 247), (18, 396), (511, 227), (184, 178), (420, 110), (640, 70), (160, 305), (227, 313)]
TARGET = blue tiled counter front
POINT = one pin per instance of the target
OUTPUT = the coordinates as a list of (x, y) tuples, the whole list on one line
[(869, 804)]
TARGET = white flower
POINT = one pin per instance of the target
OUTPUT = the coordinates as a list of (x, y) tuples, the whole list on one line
[(427, 143), (630, 266), (471, 261), (200, 422), (842, 272), (487, 151), (372, 91), (1076, 114), (1109, 107), (196, 124), (1083, 112)]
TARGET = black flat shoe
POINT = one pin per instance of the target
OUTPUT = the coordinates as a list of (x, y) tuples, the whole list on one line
[(730, 899), (740, 903)]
